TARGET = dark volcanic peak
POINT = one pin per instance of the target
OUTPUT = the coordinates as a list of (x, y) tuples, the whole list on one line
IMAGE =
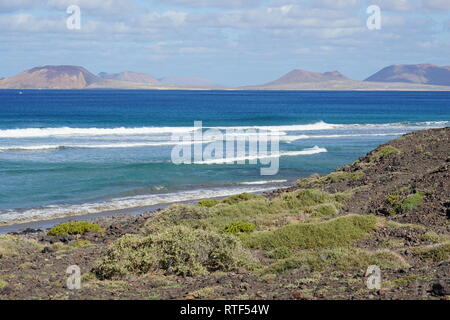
[(51, 77), (302, 76), (414, 73)]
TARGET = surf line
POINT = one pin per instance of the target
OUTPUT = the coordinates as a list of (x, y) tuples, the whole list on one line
[(214, 146)]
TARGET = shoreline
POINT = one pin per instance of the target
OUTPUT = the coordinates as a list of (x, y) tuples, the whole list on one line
[(19, 226), (255, 89)]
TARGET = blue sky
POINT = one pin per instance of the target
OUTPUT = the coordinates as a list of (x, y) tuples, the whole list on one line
[(233, 42)]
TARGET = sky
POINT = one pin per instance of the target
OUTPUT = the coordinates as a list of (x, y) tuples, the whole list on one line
[(231, 42)]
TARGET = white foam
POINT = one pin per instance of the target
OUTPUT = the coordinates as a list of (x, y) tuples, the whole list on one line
[(123, 203), (261, 182), (327, 136), (309, 151), (297, 127), (122, 131), (67, 131), (98, 146)]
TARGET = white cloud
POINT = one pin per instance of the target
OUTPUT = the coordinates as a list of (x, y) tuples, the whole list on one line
[(397, 5), (436, 4), (214, 3), (337, 4), (95, 7)]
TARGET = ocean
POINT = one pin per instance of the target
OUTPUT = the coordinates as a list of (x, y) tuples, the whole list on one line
[(92, 151)]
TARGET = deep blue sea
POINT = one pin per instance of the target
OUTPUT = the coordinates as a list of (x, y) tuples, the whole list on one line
[(80, 152)]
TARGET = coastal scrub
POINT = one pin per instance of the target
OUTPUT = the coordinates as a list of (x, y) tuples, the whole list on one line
[(75, 227), (332, 233), (178, 250), (12, 245), (343, 258)]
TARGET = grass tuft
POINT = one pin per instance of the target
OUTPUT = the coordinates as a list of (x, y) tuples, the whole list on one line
[(3, 284), (332, 233), (279, 253), (399, 204), (385, 152), (434, 253), (241, 197), (343, 259), (12, 245)]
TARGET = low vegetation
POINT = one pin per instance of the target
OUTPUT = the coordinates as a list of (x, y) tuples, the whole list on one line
[(11, 245), (435, 253), (333, 233), (75, 227), (178, 250), (342, 176), (342, 259), (242, 197), (208, 203), (192, 240), (3, 284), (245, 209), (239, 227), (385, 152), (279, 253), (401, 204), (333, 177)]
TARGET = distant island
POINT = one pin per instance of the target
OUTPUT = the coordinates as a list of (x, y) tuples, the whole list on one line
[(420, 77)]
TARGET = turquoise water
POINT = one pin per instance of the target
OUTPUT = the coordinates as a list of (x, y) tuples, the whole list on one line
[(65, 152)]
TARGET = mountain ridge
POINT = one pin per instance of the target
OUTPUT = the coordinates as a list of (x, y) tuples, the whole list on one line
[(394, 77), (424, 73), (302, 76), (51, 77), (138, 77)]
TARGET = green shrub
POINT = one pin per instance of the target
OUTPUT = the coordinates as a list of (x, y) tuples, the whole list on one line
[(342, 259), (385, 152), (435, 253), (241, 197), (279, 253), (178, 250), (208, 203), (3, 284), (412, 201), (332, 233), (75, 227), (239, 227), (401, 205)]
